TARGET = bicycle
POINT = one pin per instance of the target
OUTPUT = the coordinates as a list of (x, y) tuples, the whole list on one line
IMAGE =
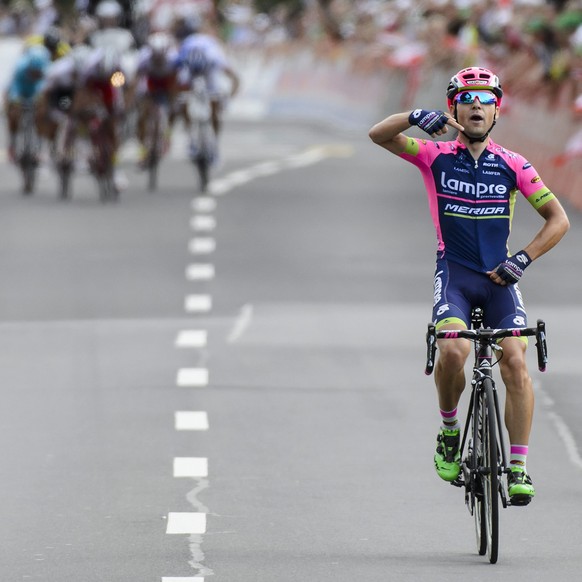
[(483, 451), (64, 154), (90, 124), (28, 147), (203, 151), (101, 161)]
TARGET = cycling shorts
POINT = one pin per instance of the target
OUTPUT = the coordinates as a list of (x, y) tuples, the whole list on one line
[(457, 289), (111, 97), (160, 84)]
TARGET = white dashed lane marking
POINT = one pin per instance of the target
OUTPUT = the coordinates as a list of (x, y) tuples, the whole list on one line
[(186, 523), (198, 303), (195, 467), (203, 223), (192, 338), (204, 204), (192, 377), (202, 245), (200, 272), (191, 420)]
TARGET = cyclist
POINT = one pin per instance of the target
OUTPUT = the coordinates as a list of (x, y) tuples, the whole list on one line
[(472, 184), (52, 40), (156, 80), (110, 34), (25, 86), (58, 91), (100, 90), (202, 56)]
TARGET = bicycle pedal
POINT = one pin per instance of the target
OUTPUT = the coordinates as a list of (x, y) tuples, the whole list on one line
[(520, 500)]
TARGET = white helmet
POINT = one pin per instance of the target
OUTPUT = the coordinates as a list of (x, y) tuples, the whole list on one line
[(109, 9), (160, 43), (80, 56)]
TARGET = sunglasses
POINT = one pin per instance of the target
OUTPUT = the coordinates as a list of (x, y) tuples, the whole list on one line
[(468, 97)]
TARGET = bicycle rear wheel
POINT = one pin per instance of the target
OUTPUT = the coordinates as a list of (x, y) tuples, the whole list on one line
[(65, 171), (28, 167), (153, 175), (155, 148), (490, 474)]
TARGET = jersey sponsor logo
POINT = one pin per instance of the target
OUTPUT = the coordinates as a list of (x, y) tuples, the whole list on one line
[(526, 166), (443, 309), (491, 173), (462, 170), (538, 199), (521, 305), (491, 157), (490, 165), (536, 179), (476, 189), (438, 287), (475, 211)]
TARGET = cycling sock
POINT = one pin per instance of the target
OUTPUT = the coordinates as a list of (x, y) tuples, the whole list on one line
[(450, 420), (518, 456)]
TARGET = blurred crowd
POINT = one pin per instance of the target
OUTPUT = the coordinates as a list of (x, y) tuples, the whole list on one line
[(534, 45)]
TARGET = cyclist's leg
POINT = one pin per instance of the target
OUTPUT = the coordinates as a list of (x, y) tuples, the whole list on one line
[(143, 115), (451, 310), (216, 115), (507, 310), (13, 109)]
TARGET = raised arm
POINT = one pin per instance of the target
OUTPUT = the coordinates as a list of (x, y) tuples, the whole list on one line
[(388, 133)]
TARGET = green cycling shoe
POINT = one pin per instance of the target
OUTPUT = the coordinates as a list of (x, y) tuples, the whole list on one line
[(519, 486), (447, 458)]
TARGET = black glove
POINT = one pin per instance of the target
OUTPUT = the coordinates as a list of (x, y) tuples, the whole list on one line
[(429, 121), (513, 267)]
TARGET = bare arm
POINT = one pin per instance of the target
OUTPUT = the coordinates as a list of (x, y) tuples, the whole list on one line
[(234, 80), (555, 227), (388, 133)]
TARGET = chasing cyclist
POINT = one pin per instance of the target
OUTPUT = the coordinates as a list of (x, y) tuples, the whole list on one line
[(155, 82), (53, 40), (58, 91), (472, 184), (202, 56), (24, 87)]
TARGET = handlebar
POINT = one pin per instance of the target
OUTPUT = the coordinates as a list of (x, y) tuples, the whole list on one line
[(489, 336)]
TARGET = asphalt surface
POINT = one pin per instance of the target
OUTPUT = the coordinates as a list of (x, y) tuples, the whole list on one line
[(321, 423)]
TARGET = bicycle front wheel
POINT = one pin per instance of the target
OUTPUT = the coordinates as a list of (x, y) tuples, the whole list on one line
[(475, 460), (490, 471)]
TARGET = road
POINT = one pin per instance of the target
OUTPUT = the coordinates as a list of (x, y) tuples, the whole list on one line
[(231, 387)]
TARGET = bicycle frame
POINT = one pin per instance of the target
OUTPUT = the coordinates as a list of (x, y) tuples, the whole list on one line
[(156, 136), (203, 141)]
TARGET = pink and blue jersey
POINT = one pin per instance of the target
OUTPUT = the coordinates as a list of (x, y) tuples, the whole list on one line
[(472, 201)]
